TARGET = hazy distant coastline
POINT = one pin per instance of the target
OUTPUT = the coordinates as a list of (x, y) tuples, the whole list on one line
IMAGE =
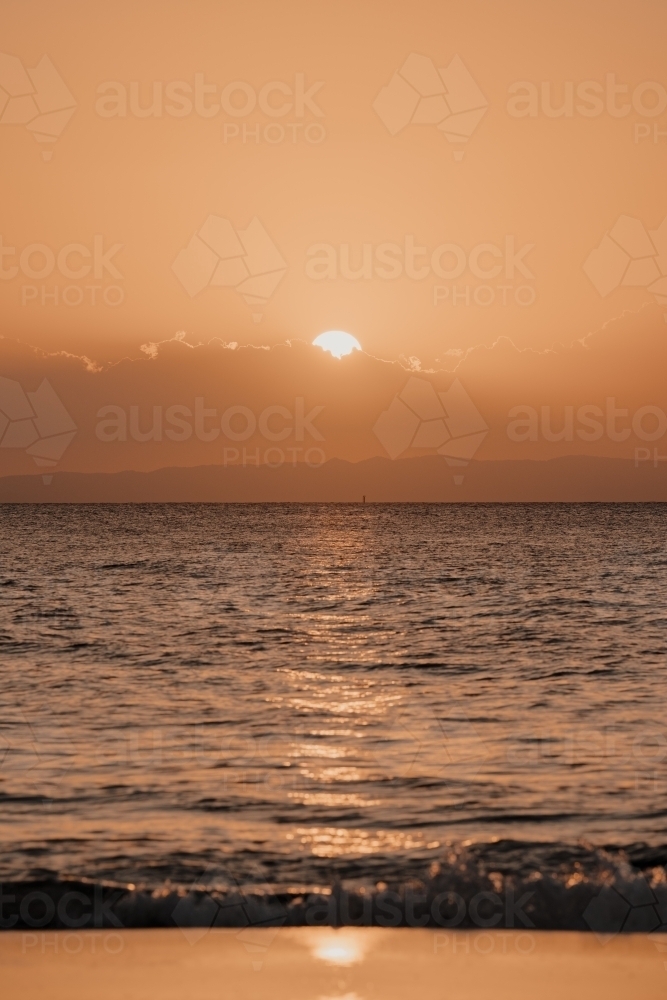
[(573, 479)]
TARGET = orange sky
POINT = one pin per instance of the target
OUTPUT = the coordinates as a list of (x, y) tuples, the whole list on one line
[(556, 185), (183, 405), (289, 176)]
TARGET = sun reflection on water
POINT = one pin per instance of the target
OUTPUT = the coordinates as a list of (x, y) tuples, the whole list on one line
[(336, 842), (344, 947)]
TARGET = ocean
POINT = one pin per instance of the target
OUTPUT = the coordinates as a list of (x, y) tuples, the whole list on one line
[(302, 712)]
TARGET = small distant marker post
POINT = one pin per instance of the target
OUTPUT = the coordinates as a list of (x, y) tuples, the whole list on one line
[(364, 498)]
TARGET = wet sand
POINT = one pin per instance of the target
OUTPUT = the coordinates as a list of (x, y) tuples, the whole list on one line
[(325, 964)]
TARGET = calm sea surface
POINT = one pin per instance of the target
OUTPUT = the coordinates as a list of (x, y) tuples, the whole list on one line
[(289, 695)]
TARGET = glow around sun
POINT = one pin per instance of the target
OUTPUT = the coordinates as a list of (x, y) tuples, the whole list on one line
[(337, 342)]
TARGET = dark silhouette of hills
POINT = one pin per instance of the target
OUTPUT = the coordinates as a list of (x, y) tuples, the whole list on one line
[(424, 479)]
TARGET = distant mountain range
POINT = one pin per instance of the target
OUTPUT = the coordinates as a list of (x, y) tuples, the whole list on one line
[(412, 480)]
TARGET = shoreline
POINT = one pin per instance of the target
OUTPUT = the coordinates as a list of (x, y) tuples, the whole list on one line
[(307, 963)]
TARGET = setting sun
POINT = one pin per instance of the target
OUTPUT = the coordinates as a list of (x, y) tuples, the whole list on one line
[(333, 681), (337, 342)]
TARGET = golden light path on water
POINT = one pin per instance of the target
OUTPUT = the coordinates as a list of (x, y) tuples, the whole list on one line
[(369, 730), (332, 706), (335, 842), (368, 725)]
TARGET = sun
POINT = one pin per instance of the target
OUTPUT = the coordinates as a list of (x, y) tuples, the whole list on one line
[(337, 342)]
